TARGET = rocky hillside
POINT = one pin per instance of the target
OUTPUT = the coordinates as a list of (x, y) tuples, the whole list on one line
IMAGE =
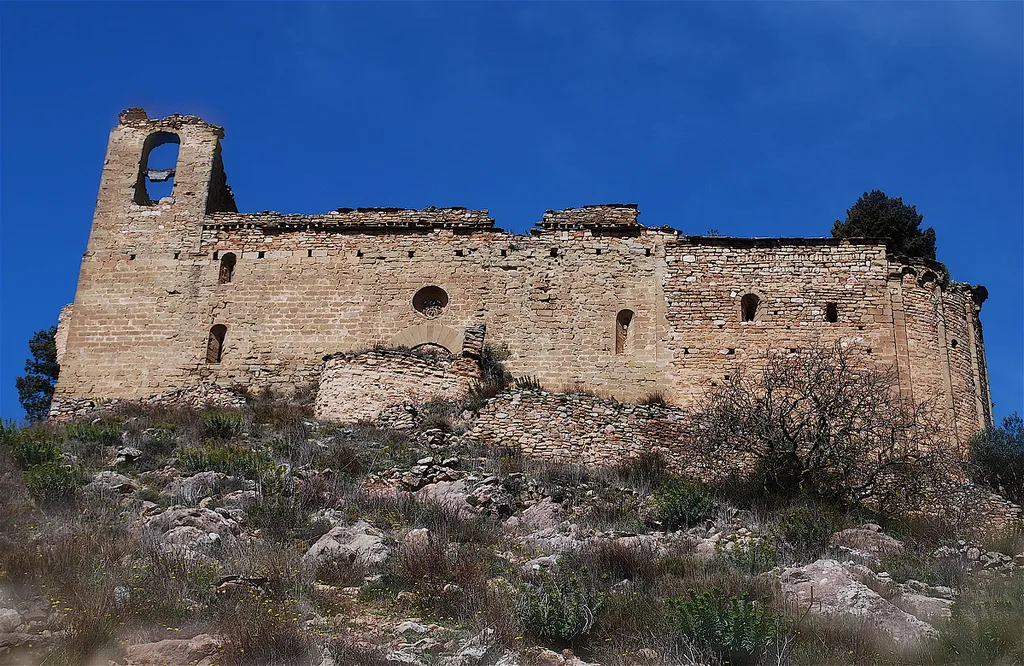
[(258, 535)]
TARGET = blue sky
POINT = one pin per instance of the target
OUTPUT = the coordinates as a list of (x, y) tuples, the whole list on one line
[(756, 119)]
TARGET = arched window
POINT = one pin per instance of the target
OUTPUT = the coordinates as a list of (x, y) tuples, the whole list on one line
[(623, 330), (749, 305), (227, 268), (831, 313), (157, 167), (215, 345)]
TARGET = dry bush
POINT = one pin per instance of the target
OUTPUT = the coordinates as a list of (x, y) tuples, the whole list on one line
[(449, 580), (816, 423)]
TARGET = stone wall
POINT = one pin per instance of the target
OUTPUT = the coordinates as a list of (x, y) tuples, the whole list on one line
[(361, 386), (590, 299)]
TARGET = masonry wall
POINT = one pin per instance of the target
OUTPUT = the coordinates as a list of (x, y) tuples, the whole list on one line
[(360, 386), (589, 299)]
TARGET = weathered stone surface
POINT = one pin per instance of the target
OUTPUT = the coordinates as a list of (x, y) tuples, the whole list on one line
[(829, 590), (866, 542), (201, 650), (359, 544)]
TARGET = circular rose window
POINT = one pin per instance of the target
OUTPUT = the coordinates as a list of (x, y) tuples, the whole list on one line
[(430, 301)]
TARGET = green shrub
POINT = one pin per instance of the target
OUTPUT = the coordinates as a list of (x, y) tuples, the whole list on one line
[(734, 628), (912, 566), (682, 503), (103, 433), (753, 558), (222, 424), (560, 606), (30, 446), (806, 529), (51, 482), (997, 457), (234, 460)]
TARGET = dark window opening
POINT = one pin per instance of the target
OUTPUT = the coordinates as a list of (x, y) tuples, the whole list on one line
[(459, 253), (647, 252), (227, 268), (412, 253), (598, 251), (157, 168), (623, 329), (749, 305), (131, 257), (215, 255), (359, 253), (215, 345), (309, 253), (832, 313), (504, 253), (554, 252), (177, 255), (954, 344), (261, 254), (730, 352), (430, 301)]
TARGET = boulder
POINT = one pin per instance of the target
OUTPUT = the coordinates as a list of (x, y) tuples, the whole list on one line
[(110, 482), (542, 515), (193, 528), (831, 591), (10, 621), (193, 488), (202, 650), (360, 543), (867, 543)]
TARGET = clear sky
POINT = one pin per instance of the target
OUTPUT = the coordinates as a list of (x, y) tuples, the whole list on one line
[(756, 119)]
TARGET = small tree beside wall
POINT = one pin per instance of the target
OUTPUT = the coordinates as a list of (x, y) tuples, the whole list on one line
[(816, 423)]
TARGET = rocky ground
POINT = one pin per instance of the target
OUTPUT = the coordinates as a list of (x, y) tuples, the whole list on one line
[(259, 535)]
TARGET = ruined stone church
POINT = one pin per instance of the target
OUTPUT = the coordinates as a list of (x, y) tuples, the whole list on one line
[(183, 289)]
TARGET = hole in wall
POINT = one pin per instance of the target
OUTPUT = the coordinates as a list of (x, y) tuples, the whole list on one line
[(647, 252), (177, 255), (215, 343), (412, 253), (504, 253), (599, 251), (359, 253), (215, 255), (430, 301), (131, 257), (954, 343), (554, 252), (459, 253), (623, 330), (261, 254), (749, 305), (227, 268), (309, 253), (157, 168), (831, 313)]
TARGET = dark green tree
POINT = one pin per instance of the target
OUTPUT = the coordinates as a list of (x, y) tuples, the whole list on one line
[(876, 215), (35, 389), (997, 456)]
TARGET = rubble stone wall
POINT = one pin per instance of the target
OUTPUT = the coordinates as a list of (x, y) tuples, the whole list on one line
[(361, 386)]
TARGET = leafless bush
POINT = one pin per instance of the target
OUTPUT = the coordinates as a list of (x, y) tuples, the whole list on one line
[(817, 423)]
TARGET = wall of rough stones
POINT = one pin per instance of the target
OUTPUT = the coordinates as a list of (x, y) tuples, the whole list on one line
[(589, 299), (588, 430), (361, 386)]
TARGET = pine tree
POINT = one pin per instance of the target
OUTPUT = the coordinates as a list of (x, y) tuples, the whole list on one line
[(35, 389), (876, 215)]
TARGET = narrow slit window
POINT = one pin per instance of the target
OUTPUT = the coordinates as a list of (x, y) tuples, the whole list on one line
[(227, 268), (831, 313), (623, 331), (554, 252), (157, 168), (215, 345), (749, 305)]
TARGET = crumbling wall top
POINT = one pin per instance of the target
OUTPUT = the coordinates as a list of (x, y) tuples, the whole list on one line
[(589, 217), (138, 118), (361, 219)]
